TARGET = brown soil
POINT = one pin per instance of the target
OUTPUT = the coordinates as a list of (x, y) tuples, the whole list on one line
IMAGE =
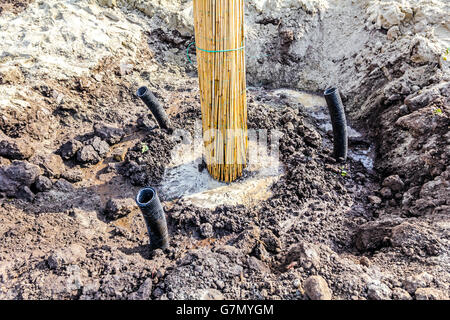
[(13, 5), (369, 237)]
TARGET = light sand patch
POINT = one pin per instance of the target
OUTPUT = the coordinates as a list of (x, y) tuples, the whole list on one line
[(55, 39)]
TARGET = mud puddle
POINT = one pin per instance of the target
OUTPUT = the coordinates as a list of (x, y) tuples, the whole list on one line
[(182, 178)]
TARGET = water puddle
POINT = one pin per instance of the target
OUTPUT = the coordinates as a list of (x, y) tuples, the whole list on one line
[(182, 179)]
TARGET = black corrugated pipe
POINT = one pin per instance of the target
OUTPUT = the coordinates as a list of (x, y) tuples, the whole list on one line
[(155, 219), (155, 107), (337, 114)]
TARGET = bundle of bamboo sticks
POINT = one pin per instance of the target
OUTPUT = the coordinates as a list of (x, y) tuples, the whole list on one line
[(219, 34)]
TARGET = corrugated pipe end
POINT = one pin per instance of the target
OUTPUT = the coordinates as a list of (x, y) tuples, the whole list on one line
[(141, 91), (339, 123), (155, 107), (145, 197), (148, 201)]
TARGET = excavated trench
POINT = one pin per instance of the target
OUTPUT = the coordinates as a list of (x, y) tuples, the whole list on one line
[(77, 145)]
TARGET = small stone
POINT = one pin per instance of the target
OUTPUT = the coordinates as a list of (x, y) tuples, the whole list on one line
[(102, 147), (374, 200), (25, 193), (312, 137), (112, 167), (69, 149), (393, 33), (422, 99), (409, 196), (51, 164), (118, 208), (63, 185), (66, 256), (23, 172), (111, 135), (365, 261), (260, 252), (145, 122), (257, 265), (119, 154), (287, 36), (360, 176), (394, 182), (420, 26), (378, 291), (43, 183), (125, 68), (73, 175), (84, 84), (157, 253), (317, 288), (220, 284), (373, 235), (392, 203), (16, 149), (198, 269), (403, 110), (304, 254), (411, 283), (415, 88), (400, 294), (4, 162), (206, 230), (157, 293), (17, 175), (386, 193), (87, 154), (98, 77), (111, 16), (430, 294), (144, 292)]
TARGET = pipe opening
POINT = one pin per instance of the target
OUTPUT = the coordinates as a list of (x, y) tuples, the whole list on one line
[(330, 91), (141, 91), (145, 196)]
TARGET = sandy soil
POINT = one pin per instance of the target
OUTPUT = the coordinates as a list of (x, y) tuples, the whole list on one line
[(71, 154)]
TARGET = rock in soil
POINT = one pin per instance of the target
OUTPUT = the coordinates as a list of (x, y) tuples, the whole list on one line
[(43, 183), (17, 175), (65, 256), (110, 134), (70, 148), (317, 288), (16, 149), (118, 208)]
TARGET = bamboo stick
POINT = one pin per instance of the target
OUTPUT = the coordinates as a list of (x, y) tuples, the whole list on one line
[(219, 32)]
